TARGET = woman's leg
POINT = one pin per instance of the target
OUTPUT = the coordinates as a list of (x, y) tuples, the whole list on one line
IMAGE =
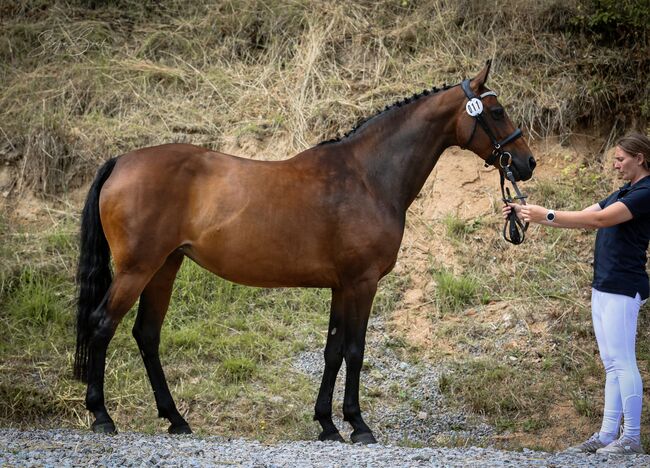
[(619, 314), (613, 405)]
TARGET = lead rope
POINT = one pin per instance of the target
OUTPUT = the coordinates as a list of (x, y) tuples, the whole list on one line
[(514, 229)]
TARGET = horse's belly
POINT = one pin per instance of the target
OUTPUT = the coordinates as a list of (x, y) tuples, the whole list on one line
[(258, 266)]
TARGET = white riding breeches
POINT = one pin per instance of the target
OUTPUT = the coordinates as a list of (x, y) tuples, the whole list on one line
[(615, 322)]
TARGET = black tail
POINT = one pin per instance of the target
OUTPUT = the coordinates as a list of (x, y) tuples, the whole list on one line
[(94, 270)]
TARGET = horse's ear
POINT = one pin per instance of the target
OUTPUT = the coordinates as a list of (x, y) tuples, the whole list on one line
[(481, 78)]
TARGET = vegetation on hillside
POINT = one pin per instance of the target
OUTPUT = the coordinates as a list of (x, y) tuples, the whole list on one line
[(85, 80)]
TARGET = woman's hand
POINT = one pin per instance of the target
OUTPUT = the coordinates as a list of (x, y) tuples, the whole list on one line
[(527, 213), (509, 207), (533, 213)]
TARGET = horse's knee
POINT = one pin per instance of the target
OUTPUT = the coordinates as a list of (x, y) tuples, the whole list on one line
[(354, 358), (333, 356)]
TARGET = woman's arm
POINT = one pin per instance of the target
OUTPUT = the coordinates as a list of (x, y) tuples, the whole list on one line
[(592, 217)]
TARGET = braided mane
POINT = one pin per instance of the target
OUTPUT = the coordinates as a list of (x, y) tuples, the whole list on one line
[(395, 105)]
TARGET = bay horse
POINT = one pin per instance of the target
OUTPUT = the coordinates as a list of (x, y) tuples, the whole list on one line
[(332, 216)]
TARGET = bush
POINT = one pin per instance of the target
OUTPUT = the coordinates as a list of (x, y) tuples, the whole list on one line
[(615, 21)]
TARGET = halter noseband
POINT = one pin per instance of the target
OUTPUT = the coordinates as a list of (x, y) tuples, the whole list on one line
[(474, 107)]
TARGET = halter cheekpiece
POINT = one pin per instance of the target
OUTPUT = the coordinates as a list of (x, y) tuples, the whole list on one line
[(514, 230)]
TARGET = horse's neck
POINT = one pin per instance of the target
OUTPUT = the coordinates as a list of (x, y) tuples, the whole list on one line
[(398, 159)]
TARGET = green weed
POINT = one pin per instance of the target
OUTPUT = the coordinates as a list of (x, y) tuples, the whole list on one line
[(454, 293), (38, 299), (585, 405), (507, 395), (237, 370), (458, 228)]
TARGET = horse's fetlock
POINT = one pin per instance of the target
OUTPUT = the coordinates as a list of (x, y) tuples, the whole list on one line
[(321, 414), (352, 414), (94, 400)]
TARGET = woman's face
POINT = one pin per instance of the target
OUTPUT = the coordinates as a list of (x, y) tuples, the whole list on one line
[(627, 166)]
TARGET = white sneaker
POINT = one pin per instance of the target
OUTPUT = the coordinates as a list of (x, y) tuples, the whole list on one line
[(621, 446), (589, 446)]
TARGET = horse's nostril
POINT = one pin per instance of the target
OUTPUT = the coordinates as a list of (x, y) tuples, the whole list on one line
[(532, 163)]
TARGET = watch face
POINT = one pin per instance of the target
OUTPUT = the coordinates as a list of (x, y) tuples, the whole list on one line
[(550, 216)]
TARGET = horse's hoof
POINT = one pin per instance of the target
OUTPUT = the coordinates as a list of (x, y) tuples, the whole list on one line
[(365, 438), (104, 428), (332, 437), (184, 429)]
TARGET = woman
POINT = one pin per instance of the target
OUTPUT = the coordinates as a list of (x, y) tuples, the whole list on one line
[(619, 288)]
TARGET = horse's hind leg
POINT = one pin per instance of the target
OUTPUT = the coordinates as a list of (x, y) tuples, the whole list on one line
[(333, 360), (124, 290), (146, 331)]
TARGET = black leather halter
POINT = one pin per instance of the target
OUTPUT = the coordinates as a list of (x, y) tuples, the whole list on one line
[(514, 230)]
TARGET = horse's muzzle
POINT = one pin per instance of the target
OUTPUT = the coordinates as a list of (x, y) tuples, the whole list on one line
[(522, 169)]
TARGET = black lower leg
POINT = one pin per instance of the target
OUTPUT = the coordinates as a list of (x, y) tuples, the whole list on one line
[(355, 339), (351, 409), (333, 359), (164, 401), (147, 335), (323, 408), (95, 390)]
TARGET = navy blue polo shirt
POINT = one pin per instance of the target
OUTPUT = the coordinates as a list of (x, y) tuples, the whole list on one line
[(620, 255)]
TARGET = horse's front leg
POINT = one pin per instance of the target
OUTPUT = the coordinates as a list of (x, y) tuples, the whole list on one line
[(333, 360), (358, 302)]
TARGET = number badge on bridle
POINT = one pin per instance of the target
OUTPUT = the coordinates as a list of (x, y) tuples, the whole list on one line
[(474, 107)]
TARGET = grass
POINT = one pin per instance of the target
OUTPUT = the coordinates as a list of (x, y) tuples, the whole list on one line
[(516, 321), (458, 228), (455, 293)]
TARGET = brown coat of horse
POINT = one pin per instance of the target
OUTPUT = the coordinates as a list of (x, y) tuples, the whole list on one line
[(332, 217)]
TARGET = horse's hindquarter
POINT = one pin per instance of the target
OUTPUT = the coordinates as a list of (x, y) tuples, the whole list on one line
[(144, 202)]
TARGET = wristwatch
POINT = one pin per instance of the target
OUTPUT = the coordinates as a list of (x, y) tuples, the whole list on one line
[(550, 216)]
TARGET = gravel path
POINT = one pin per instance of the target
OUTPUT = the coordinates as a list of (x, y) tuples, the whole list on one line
[(67, 448)]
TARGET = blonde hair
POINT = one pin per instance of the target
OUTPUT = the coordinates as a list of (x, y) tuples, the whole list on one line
[(636, 143)]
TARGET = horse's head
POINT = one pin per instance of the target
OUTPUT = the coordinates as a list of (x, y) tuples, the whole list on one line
[(483, 126)]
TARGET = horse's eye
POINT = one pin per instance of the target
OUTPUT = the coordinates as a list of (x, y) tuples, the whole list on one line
[(497, 112)]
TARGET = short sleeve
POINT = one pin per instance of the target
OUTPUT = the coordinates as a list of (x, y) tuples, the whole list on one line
[(637, 201), (607, 201)]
